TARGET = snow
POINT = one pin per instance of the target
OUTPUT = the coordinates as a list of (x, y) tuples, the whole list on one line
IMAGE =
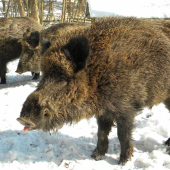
[(72, 146), (140, 9)]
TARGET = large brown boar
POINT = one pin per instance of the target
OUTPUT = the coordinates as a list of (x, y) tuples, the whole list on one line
[(111, 71), (11, 32), (31, 45)]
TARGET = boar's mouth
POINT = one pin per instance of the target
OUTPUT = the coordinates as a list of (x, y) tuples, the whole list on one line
[(28, 125)]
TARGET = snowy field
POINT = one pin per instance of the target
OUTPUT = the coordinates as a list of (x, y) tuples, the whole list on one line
[(71, 147)]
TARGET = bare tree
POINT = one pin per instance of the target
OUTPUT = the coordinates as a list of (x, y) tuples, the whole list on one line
[(64, 11), (4, 5), (34, 10), (21, 8), (41, 9), (7, 12)]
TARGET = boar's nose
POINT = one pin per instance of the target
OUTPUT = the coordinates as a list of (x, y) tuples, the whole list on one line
[(19, 68), (18, 72), (25, 122)]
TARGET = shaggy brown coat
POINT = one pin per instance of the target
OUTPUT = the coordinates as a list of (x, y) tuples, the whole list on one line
[(111, 70), (15, 27)]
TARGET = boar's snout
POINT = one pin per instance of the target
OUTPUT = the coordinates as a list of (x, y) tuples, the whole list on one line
[(19, 72), (19, 69), (27, 123)]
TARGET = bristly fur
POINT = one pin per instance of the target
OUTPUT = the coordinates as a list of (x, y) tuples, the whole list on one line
[(34, 45), (11, 31), (124, 67)]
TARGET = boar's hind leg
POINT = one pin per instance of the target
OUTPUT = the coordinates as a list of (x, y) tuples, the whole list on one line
[(104, 127), (167, 143), (3, 72), (124, 131), (167, 103)]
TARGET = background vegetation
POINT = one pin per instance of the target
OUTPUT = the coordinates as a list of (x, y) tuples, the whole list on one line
[(47, 11)]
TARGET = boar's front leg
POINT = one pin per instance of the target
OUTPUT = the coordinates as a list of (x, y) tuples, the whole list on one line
[(124, 130), (35, 75), (104, 127)]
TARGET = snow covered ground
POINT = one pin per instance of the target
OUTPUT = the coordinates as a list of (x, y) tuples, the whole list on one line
[(71, 147)]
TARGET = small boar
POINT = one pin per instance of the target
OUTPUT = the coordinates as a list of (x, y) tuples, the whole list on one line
[(31, 45), (11, 32), (111, 70)]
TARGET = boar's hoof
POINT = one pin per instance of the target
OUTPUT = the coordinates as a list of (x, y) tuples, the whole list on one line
[(3, 80), (96, 155), (123, 161), (126, 157), (35, 76), (167, 143), (168, 150)]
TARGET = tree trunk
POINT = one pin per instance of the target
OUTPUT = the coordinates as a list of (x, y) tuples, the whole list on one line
[(4, 5), (69, 11), (21, 8), (34, 10), (7, 13), (64, 11), (29, 9), (41, 4)]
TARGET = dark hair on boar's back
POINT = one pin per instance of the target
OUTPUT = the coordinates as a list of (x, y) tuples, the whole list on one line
[(112, 70)]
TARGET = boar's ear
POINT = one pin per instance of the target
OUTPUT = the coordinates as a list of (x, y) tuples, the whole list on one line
[(34, 39), (45, 45), (77, 50)]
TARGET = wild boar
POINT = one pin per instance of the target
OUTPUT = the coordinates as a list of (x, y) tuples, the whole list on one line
[(111, 70), (11, 32), (31, 45), (10, 49)]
